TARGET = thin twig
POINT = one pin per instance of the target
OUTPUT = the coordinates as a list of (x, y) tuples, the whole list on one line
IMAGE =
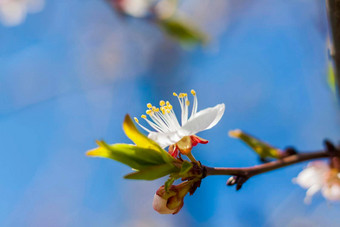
[(248, 172)]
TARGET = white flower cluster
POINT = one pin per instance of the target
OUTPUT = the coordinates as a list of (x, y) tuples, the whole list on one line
[(13, 12), (318, 176), (143, 8), (136, 8)]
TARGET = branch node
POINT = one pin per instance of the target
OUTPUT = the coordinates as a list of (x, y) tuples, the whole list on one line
[(291, 151), (264, 160), (204, 172), (330, 148), (240, 182)]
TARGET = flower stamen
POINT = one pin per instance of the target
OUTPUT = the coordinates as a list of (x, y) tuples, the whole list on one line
[(194, 107), (137, 121), (164, 118)]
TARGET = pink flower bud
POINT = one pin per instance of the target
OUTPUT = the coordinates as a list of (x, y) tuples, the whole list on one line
[(159, 204), (171, 202)]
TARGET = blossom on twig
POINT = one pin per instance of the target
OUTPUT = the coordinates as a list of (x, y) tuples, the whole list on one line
[(13, 12), (134, 8), (168, 131), (319, 176)]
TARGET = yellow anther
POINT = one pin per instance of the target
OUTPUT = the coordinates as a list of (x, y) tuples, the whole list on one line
[(143, 116), (180, 95), (168, 111), (149, 112), (136, 120), (193, 92), (161, 103), (167, 103), (175, 94), (149, 105), (185, 94), (157, 110), (170, 107), (163, 111), (187, 102), (154, 109)]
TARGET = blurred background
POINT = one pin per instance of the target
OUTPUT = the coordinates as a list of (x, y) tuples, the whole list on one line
[(71, 70)]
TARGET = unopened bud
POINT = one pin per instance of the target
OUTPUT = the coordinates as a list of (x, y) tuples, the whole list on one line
[(232, 180), (159, 204), (171, 201)]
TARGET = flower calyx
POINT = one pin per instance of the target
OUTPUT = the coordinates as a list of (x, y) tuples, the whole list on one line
[(185, 145)]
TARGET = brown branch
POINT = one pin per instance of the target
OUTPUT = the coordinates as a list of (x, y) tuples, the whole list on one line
[(241, 175), (248, 172)]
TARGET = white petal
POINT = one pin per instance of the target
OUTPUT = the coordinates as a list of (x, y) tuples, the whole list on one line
[(310, 192), (332, 192), (165, 139), (203, 120), (12, 13), (159, 205), (137, 8), (314, 174)]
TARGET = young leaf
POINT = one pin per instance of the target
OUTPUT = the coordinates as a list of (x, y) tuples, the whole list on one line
[(136, 136), (133, 156), (183, 31), (263, 149), (331, 78), (153, 172), (141, 140)]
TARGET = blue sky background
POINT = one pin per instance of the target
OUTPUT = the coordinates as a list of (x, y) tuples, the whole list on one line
[(70, 73)]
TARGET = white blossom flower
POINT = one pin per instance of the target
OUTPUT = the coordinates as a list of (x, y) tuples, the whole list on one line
[(318, 176), (135, 8), (13, 12), (169, 132)]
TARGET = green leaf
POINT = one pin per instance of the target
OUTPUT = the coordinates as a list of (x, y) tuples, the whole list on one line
[(186, 166), (183, 31), (153, 172), (168, 183), (131, 155), (331, 78), (263, 149), (143, 141)]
